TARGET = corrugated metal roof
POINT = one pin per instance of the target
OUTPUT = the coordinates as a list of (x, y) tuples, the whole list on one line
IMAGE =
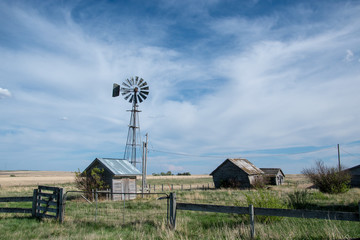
[(246, 166), (119, 166)]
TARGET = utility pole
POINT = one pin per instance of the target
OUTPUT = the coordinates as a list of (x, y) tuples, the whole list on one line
[(338, 148), (144, 161)]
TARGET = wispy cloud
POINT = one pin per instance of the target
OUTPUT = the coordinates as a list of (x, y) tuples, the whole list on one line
[(222, 83)]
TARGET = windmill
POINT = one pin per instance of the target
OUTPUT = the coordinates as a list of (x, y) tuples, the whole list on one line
[(135, 90)]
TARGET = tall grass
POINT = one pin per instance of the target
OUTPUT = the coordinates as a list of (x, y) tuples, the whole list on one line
[(146, 218)]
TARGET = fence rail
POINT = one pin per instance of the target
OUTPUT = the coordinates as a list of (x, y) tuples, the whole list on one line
[(17, 210), (42, 203), (252, 211)]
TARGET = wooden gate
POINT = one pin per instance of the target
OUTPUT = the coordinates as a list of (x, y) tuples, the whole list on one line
[(48, 202)]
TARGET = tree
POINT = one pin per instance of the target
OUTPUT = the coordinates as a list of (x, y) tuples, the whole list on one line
[(89, 181)]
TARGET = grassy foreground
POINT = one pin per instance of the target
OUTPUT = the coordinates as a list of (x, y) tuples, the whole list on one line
[(146, 218)]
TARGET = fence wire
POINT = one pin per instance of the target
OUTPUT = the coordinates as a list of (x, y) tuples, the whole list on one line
[(149, 208)]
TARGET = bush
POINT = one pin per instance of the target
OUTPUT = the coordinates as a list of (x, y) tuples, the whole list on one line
[(328, 179), (87, 182), (264, 199), (260, 182), (299, 199)]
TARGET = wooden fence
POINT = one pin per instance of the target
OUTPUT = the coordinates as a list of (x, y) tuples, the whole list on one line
[(46, 202), (252, 211)]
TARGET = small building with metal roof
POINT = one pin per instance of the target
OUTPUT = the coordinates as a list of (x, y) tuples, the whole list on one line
[(275, 176), (119, 174), (238, 173)]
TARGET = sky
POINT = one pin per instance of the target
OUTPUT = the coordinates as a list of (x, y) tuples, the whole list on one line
[(276, 82)]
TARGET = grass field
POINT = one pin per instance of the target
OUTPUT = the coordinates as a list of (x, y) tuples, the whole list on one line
[(146, 218)]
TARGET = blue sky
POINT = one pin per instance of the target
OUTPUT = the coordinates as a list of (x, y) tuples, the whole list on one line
[(276, 82)]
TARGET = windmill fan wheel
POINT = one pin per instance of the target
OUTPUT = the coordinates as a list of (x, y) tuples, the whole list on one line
[(135, 90)]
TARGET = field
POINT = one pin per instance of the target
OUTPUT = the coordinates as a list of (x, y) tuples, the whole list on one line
[(146, 218)]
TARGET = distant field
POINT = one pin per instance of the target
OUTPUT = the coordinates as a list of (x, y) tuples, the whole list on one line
[(26, 178)]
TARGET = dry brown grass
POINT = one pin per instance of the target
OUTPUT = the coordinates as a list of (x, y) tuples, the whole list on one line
[(27, 178)]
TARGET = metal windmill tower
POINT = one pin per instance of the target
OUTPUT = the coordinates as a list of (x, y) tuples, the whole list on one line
[(135, 90)]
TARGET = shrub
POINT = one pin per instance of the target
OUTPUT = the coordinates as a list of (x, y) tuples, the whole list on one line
[(260, 182), (264, 199), (89, 181), (328, 179), (299, 199)]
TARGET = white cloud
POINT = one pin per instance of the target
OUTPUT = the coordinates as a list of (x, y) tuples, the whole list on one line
[(4, 93), (349, 56)]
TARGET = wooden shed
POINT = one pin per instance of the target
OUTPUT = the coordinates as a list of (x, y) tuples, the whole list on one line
[(239, 173), (274, 175), (355, 176), (119, 175)]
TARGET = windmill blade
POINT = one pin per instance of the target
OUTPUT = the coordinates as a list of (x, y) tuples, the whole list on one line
[(142, 95), (131, 99), (144, 88), (141, 80), (132, 81), (143, 85), (136, 80), (140, 100), (129, 82), (116, 90), (145, 92), (126, 98), (125, 84), (125, 90)]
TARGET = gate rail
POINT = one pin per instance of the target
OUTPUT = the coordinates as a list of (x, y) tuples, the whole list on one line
[(43, 203)]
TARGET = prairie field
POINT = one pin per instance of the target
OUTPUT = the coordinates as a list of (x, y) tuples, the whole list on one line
[(146, 218)]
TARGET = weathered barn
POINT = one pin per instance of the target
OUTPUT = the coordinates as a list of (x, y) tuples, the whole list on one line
[(355, 175), (275, 176), (119, 175), (236, 173)]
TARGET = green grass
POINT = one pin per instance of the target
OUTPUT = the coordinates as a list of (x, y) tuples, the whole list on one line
[(146, 218)]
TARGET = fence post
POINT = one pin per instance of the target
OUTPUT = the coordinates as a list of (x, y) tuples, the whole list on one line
[(172, 186), (96, 201), (172, 210), (252, 222), (61, 206), (162, 187), (181, 187), (34, 203), (190, 187)]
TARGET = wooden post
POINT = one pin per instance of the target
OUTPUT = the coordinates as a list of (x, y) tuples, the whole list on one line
[(61, 206), (172, 186), (208, 186), (154, 187), (162, 187), (34, 203), (181, 187), (190, 187), (96, 200), (252, 222), (172, 210)]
